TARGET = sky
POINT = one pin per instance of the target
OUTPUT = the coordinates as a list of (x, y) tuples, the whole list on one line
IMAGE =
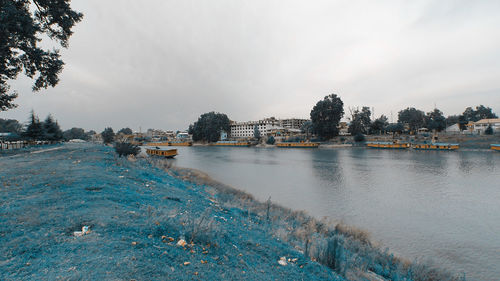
[(160, 64)]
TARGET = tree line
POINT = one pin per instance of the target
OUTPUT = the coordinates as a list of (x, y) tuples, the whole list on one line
[(328, 112), (326, 115), (36, 130)]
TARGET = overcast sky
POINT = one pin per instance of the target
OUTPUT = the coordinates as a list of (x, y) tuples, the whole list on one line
[(160, 64)]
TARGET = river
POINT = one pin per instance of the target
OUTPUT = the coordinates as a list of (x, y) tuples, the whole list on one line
[(438, 205)]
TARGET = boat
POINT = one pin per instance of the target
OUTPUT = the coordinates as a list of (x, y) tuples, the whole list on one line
[(388, 144), (436, 146), (298, 144), (180, 143), (171, 143), (495, 147), (231, 143), (167, 153), (157, 144)]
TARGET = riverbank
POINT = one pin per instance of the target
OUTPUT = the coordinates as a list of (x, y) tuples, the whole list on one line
[(138, 214)]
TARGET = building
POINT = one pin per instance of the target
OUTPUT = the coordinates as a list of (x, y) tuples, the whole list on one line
[(481, 125), (453, 129), (293, 123), (246, 129), (267, 127)]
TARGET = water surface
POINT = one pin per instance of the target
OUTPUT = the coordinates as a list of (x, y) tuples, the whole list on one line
[(421, 204)]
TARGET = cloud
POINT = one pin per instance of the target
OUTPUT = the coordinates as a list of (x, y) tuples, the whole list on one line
[(162, 63)]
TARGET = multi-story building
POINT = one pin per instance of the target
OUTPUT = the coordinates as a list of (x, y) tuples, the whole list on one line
[(266, 127), (293, 123)]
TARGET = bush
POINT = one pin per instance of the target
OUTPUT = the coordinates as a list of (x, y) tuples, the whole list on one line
[(125, 149), (270, 140), (359, 137), (489, 130)]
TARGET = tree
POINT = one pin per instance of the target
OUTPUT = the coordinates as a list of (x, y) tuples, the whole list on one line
[(75, 133), (395, 128), (270, 140), (326, 115), (51, 129), (435, 120), (489, 130), (10, 126), (108, 135), (483, 112), (413, 117), (125, 131), (379, 125), (126, 148), (34, 130), (22, 25), (307, 128), (452, 120), (256, 132), (360, 121), (209, 126), (471, 115)]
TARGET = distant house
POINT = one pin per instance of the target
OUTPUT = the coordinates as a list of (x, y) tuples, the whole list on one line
[(481, 125), (453, 129)]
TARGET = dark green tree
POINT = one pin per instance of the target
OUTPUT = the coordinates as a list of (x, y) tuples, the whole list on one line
[(452, 120), (10, 126), (51, 129), (125, 131), (379, 125), (307, 128), (360, 121), (395, 128), (34, 130), (126, 148), (483, 112), (489, 130), (256, 132), (326, 115), (209, 127), (75, 133), (413, 117), (270, 140), (23, 23), (435, 120), (108, 136)]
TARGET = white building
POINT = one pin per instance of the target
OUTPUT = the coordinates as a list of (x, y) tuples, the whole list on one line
[(246, 129), (453, 129), (481, 125)]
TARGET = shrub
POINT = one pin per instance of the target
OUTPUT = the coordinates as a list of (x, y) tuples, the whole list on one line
[(489, 130), (270, 140), (359, 137), (125, 149)]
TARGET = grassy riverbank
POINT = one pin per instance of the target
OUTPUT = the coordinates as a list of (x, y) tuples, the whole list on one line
[(137, 213)]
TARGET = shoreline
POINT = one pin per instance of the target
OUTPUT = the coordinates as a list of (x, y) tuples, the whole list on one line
[(315, 232)]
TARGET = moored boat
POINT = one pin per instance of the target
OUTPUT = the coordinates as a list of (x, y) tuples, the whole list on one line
[(298, 144), (167, 153), (436, 146), (180, 143), (495, 147), (232, 143), (171, 143), (388, 144), (158, 144)]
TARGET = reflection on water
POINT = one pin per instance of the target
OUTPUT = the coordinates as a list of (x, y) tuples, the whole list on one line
[(421, 204)]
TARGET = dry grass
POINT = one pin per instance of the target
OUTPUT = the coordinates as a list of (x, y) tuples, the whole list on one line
[(345, 249)]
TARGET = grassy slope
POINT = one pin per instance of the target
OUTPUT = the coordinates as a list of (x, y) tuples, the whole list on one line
[(132, 209)]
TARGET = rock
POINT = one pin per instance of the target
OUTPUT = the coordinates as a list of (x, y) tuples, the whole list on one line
[(282, 261), (181, 242), (85, 230)]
